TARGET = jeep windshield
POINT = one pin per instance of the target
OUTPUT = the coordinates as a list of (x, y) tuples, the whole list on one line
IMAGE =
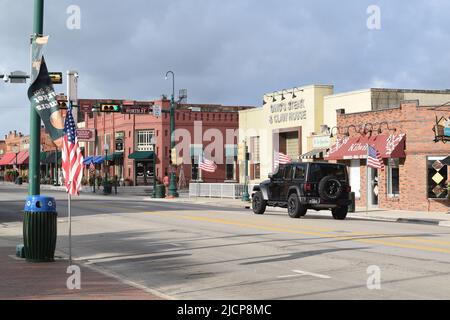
[(318, 171)]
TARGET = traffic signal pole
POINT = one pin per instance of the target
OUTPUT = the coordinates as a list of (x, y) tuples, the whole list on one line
[(35, 119)]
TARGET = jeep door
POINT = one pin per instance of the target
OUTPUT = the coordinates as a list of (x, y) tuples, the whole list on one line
[(287, 182), (275, 184)]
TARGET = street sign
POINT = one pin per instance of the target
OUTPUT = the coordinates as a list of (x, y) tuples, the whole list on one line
[(136, 109), (119, 145), (157, 111), (72, 86), (87, 135)]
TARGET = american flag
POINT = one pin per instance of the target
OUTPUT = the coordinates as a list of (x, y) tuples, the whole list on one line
[(207, 165), (92, 167), (374, 159), (72, 158), (281, 158)]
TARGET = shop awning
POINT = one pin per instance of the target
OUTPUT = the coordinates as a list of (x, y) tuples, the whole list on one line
[(314, 154), (22, 158), (50, 159), (446, 161), (114, 156), (96, 159), (7, 159), (389, 146), (142, 155), (43, 157)]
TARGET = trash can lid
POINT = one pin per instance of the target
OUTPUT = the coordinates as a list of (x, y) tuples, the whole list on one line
[(40, 204)]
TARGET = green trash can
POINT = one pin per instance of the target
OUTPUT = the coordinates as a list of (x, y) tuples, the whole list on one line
[(160, 191), (352, 206), (40, 229)]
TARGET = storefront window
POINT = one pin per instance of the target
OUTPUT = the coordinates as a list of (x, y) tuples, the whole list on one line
[(437, 178), (255, 158), (393, 177), (145, 140)]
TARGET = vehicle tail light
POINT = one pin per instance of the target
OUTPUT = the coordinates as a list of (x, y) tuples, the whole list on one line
[(348, 189), (307, 187)]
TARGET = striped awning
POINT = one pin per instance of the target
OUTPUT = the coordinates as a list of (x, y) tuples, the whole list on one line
[(315, 154)]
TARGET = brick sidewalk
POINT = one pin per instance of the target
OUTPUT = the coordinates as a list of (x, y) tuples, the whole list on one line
[(21, 280)]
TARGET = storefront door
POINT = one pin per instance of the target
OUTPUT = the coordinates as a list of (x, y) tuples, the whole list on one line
[(373, 187), (144, 173)]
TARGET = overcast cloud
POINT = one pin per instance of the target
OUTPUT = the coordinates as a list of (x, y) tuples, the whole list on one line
[(228, 51)]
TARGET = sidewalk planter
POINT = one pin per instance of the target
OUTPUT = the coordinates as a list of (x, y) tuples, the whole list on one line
[(40, 229)]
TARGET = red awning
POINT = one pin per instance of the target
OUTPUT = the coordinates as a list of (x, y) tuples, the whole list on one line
[(389, 146), (22, 158), (7, 158)]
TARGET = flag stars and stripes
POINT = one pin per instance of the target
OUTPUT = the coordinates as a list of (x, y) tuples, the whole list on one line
[(72, 157), (374, 159)]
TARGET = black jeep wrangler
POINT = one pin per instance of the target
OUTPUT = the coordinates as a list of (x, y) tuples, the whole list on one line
[(302, 186)]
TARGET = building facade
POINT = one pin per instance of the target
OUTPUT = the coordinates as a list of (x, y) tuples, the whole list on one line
[(414, 175), (134, 141)]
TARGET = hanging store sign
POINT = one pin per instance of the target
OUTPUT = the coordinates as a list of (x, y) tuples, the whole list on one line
[(87, 135), (322, 142)]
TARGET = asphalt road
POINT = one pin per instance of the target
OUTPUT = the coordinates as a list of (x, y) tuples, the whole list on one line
[(199, 252)]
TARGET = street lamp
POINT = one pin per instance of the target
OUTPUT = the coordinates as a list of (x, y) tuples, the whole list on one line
[(16, 152), (106, 148), (173, 183)]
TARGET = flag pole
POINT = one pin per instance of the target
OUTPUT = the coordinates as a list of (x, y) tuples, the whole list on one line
[(70, 228), (367, 181)]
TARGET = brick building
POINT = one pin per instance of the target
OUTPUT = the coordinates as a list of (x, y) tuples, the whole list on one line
[(130, 138), (414, 177)]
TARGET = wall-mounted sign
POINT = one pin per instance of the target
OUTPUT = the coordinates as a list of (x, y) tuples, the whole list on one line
[(119, 145), (157, 111), (285, 112), (442, 130), (87, 135)]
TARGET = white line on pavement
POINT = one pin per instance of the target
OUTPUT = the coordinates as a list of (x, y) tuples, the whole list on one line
[(300, 273)]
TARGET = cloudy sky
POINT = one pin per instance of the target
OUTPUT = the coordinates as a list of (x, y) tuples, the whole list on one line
[(226, 51)]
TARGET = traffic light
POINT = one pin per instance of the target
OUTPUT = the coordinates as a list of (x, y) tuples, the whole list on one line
[(62, 103), (56, 77), (173, 156), (110, 107)]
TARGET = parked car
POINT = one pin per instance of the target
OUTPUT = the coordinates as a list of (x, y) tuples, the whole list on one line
[(302, 186)]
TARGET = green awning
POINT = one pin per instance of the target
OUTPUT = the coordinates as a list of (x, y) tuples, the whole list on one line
[(43, 157), (142, 155), (114, 156)]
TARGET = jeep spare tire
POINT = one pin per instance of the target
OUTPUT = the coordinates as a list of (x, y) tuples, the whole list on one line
[(330, 188), (258, 203)]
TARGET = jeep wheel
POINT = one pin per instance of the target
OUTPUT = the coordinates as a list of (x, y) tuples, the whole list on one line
[(295, 209), (258, 203), (330, 188), (340, 213)]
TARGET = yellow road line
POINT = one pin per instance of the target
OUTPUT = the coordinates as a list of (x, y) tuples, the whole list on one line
[(287, 229)]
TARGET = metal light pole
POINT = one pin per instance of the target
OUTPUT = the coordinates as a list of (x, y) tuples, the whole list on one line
[(173, 177), (245, 195), (35, 119)]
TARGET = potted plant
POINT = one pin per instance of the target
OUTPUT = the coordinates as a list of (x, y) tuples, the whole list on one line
[(84, 181)]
